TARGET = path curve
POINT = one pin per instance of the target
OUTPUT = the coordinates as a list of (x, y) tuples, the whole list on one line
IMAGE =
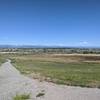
[(12, 83)]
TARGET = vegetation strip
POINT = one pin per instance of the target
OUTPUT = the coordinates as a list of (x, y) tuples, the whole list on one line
[(22, 97), (60, 70)]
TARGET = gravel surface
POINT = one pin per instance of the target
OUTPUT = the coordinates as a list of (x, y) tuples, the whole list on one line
[(12, 83)]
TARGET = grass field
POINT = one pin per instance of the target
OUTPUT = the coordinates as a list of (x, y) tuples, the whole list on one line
[(76, 70), (2, 59)]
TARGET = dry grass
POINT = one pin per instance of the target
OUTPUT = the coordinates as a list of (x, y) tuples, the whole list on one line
[(79, 70), (70, 69), (68, 58)]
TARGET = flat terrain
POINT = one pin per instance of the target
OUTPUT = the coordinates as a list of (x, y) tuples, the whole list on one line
[(2, 59), (13, 84), (73, 69)]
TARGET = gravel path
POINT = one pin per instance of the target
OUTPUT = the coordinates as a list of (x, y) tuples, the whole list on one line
[(12, 83)]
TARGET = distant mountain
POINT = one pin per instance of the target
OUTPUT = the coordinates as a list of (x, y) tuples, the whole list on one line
[(30, 46), (41, 46), (6, 46)]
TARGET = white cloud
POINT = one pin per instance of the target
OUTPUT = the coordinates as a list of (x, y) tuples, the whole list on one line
[(83, 43)]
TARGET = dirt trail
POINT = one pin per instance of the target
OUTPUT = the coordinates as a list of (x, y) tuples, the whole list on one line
[(12, 83)]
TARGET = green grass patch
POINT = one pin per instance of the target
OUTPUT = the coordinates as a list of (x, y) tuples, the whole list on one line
[(22, 97), (2, 59), (77, 74)]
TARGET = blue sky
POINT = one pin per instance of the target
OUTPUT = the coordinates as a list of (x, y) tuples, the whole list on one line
[(50, 22)]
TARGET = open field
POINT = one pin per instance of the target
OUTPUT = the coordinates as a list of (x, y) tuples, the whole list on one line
[(2, 59), (76, 70)]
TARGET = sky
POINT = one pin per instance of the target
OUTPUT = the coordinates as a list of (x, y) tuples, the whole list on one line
[(50, 22)]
